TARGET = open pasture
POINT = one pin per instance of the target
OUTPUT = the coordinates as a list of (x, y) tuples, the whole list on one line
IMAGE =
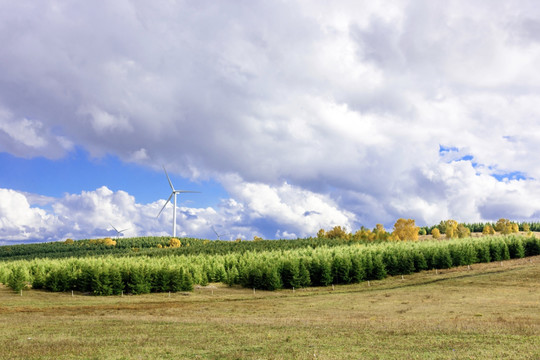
[(488, 311)]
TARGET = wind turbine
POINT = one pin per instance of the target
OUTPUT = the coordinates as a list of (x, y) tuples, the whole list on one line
[(173, 193), (218, 235), (118, 232)]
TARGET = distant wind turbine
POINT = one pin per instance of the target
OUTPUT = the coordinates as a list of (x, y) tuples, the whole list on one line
[(118, 232), (218, 235), (174, 193)]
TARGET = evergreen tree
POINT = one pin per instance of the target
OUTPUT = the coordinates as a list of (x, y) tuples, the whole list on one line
[(515, 248), (358, 273), (161, 280), (38, 276), (304, 279), (341, 268), (187, 282), (101, 282), (18, 278), (443, 260), (270, 278), (115, 276), (289, 274), (419, 261), (232, 276)]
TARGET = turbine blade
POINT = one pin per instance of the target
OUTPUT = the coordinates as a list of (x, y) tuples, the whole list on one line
[(170, 183), (169, 199), (113, 227)]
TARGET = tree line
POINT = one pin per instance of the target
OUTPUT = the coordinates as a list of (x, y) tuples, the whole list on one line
[(275, 269)]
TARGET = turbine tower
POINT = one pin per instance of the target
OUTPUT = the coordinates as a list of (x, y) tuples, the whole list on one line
[(173, 193)]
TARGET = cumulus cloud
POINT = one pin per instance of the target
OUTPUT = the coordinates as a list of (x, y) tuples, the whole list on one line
[(20, 221), (93, 214), (309, 113), (292, 210)]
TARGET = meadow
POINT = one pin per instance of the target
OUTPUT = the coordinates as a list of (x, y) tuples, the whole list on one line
[(314, 298), (482, 311)]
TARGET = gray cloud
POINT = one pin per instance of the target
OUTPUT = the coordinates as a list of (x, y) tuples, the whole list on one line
[(345, 103)]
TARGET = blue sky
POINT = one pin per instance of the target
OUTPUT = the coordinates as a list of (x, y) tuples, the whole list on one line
[(286, 116), (78, 171)]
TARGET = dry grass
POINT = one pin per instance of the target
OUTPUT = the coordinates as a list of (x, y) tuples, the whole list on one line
[(489, 311)]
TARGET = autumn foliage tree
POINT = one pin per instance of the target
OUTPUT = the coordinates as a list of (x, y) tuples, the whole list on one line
[(405, 229), (380, 233), (449, 227), (363, 234), (105, 241), (488, 230), (174, 243), (337, 233), (463, 231), (504, 226), (501, 224), (436, 233)]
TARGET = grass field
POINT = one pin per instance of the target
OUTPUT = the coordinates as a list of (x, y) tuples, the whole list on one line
[(490, 311)]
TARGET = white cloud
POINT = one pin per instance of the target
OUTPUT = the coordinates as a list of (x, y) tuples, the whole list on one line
[(20, 221), (93, 214), (309, 107), (297, 211)]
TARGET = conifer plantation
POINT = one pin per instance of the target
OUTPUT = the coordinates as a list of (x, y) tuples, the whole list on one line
[(146, 265)]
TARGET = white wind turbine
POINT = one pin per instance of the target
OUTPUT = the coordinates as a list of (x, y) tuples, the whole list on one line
[(218, 235), (174, 193), (118, 232)]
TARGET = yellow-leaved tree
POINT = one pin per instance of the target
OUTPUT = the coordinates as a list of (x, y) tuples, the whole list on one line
[(337, 233), (504, 226), (405, 229), (463, 231), (436, 233), (109, 242), (174, 243), (488, 230), (380, 233), (364, 234), (515, 227), (450, 228)]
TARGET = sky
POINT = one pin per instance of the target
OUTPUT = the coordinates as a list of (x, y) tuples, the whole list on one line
[(286, 116)]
